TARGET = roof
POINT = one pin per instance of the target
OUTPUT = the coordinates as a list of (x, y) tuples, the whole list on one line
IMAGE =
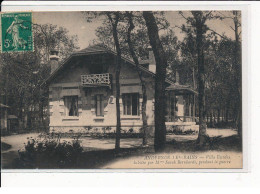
[(91, 50), (177, 87), (97, 49), (94, 48), (3, 106)]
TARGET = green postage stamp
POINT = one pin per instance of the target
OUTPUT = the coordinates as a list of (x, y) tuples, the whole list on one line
[(16, 29)]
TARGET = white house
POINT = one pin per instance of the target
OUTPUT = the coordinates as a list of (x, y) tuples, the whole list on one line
[(82, 93)]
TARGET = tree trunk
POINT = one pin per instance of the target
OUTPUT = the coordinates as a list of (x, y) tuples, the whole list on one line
[(118, 67), (237, 63), (211, 120), (132, 52), (227, 113), (201, 78), (161, 64), (218, 118), (214, 119), (41, 114), (223, 115), (7, 96)]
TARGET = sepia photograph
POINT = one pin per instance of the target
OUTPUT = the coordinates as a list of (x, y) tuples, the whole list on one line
[(121, 90)]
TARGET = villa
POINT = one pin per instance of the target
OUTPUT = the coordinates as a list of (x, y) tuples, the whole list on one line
[(82, 93)]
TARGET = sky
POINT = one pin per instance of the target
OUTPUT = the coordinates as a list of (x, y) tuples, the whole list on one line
[(77, 24)]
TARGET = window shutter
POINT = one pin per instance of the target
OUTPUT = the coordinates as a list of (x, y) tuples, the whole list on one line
[(102, 105), (97, 105)]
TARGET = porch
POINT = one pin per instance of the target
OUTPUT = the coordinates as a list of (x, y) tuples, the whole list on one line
[(180, 106)]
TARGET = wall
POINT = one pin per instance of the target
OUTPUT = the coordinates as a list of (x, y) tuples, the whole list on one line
[(68, 83)]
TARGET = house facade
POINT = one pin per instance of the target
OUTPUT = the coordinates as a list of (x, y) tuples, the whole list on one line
[(82, 94)]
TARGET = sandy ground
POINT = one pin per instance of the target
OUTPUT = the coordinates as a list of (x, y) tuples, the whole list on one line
[(177, 160), (211, 132), (17, 141), (88, 143), (93, 144)]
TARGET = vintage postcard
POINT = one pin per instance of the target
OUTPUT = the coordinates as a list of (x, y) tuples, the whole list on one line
[(122, 89)]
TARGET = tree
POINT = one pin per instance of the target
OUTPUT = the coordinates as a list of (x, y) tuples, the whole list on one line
[(171, 46), (114, 18), (188, 58), (132, 29), (139, 36), (220, 79), (222, 72), (237, 63), (200, 24), (135, 58), (197, 22), (112, 26), (23, 72), (235, 91), (161, 64)]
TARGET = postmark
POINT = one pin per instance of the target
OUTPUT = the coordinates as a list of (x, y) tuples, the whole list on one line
[(16, 32)]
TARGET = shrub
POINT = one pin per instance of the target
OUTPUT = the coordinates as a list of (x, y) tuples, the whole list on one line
[(189, 132), (108, 128), (50, 152), (178, 130), (88, 128)]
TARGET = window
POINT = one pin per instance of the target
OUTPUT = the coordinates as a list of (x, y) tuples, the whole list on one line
[(71, 104), (99, 105), (131, 104)]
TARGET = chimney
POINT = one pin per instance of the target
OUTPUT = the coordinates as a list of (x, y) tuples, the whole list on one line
[(152, 64), (54, 59)]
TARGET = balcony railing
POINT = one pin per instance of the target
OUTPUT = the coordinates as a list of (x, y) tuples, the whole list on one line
[(93, 80)]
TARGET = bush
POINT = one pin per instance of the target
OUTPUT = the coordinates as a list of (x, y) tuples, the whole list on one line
[(178, 130), (5, 146), (50, 152)]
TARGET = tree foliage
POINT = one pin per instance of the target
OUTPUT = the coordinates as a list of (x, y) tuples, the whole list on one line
[(221, 70), (22, 74)]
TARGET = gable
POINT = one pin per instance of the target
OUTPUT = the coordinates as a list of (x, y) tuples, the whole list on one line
[(73, 60), (76, 66), (78, 63)]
